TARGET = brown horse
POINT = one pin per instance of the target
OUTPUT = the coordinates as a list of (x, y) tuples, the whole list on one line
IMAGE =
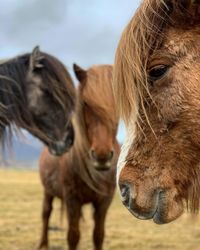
[(37, 94), (156, 85), (74, 177)]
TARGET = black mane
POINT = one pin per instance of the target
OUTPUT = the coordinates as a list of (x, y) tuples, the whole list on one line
[(13, 90)]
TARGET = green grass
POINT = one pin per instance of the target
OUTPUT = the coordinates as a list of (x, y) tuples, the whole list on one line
[(20, 224)]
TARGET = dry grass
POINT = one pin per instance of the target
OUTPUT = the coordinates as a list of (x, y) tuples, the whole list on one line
[(20, 205)]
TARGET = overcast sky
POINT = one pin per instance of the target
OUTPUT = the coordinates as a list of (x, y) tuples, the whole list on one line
[(81, 31)]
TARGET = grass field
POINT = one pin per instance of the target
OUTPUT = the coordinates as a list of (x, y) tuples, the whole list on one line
[(20, 225)]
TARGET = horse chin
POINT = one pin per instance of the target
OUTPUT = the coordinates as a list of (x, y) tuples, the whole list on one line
[(168, 212), (102, 168)]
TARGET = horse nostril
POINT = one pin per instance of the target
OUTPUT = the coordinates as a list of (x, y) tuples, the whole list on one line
[(93, 154), (125, 193), (69, 138), (69, 141), (110, 155)]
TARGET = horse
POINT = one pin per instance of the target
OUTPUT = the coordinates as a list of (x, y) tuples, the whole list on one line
[(85, 174), (37, 94), (156, 85)]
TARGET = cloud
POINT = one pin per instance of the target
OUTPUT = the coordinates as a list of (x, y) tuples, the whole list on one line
[(87, 31)]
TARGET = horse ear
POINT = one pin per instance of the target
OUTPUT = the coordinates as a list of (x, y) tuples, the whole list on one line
[(80, 73), (36, 59)]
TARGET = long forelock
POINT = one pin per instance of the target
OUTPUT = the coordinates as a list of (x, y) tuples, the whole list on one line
[(142, 36), (98, 94)]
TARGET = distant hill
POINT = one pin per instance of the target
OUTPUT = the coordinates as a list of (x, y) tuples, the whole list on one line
[(24, 153)]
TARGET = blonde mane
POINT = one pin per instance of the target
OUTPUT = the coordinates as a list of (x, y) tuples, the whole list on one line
[(98, 94), (143, 35)]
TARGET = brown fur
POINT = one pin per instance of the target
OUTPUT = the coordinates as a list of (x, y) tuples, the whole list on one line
[(162, 164), (74, 177), (36, 94)]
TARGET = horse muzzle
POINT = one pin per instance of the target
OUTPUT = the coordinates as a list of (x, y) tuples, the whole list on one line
[(101, 162), (162, 206), (60, 147)]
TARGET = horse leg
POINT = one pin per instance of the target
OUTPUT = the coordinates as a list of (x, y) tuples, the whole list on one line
[(46, 212), (99, 220), (73, 215)]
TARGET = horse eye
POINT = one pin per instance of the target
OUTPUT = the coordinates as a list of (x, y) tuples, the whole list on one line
[(158, 72)]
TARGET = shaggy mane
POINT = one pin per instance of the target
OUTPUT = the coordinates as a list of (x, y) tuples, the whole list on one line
[(13, 73), (143, 35)]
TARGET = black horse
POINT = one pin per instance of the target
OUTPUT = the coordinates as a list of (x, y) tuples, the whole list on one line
[(37, 94)]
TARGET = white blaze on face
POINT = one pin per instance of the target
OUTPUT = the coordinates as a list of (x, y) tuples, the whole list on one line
[(130, 136)]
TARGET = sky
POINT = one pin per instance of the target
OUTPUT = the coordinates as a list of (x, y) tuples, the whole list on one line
[(82, 31)]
